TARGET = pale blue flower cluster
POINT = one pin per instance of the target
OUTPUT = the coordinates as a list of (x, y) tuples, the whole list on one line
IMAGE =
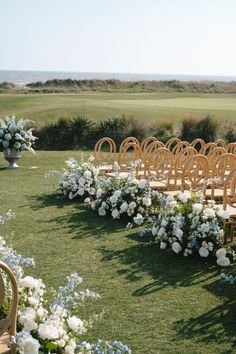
[(229, 278), (104, 347), (68, 296)]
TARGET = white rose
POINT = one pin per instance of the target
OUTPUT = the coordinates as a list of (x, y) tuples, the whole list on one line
[(123, 207), (75, 324), (33, 300), (164, 223), (223, 214), (48, 331), (221, 252), (176, 247), (81, 191), (5, 143), (169, 198), (147, 201), (197, 207), (82, 181), (70, 347), (142, 183), (209, 213), (139, 219), (31, 345), (41, 312), (184, 197), (203, 251), (29, 282), (17, 145), (161, 231), (61, 342), (115, 214), (7, 136), (132, 205), (223, 261), (87, 174), (101, 211), (99, 193), (179, 234), (154, 231), (162, 245)]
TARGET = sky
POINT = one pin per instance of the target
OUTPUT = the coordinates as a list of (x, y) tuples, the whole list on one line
[(127, 36)]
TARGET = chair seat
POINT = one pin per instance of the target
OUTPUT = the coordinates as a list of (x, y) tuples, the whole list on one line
[(173, 193), (106, 168), (4, 339), (157, 185), (218, 193), (114, 174)]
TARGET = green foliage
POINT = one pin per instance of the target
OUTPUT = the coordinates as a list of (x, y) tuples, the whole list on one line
[(189, 128), (229, 132), (162, 129), (205, 128)]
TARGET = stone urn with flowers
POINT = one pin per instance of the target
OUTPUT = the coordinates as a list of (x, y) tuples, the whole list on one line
[(15, 137)]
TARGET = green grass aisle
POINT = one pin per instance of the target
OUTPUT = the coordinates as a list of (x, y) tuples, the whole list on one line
[(155, 302)]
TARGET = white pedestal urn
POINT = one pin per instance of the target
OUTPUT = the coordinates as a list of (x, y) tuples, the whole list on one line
[(12, 155)]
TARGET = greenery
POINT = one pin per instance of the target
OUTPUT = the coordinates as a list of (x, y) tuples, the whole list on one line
[(155, 302), (144, 107)]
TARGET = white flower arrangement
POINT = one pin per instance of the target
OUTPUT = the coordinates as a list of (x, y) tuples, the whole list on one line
[(78, 179), (123, 196), (50, 328), (16, 134), (188, 224)]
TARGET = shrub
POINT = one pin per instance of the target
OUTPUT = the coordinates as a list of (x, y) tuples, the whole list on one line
[(189, 128), (162, 129), (229, 132), (207, 128), (81, 128)]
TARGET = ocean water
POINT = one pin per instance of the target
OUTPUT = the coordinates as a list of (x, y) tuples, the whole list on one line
[(24, 77)]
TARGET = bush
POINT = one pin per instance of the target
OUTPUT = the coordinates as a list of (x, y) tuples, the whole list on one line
[(189, 128), (229, 132), (162, 129)]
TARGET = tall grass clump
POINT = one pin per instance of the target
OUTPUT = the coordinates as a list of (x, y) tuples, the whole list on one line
[(162, 129), (229, 132), (205, 128)]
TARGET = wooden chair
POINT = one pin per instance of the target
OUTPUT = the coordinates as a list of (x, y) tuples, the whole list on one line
[(150, 150), (208, 148), (105, 153), (146, 142), (198, 144), (229, 205), (170, 144), (179, 147), (179, 164), (129, 153), (221, 143), (221, 169), (160, 168), (8, 324), (130, 139), (195, 172), (231, 148), (213, 156)]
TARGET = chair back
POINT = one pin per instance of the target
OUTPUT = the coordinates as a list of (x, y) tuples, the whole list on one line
[(170, 144), (229, 197), (198, 144), (221, 169), (128, 154), (221, 143), (214, 154), (8, 324), (208, 148), (160, 165), (231, 148), (195, 172), (105, 151), (149, 140), (179, 147)]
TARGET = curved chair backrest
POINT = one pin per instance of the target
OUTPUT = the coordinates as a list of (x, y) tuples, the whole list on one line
[(170, 144), (183, 157), (146, 142), (150, 150), (8, 324), (214, 154), (195, 172), (105, 151), (198, 144), (179, 147), (220, 142), (129, 140), (160, 165), (128, 154), (229, 197), (221, 169), (208, 148), (231, 148)]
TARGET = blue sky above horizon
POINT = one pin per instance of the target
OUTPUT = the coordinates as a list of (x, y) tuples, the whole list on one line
[(151, 36)]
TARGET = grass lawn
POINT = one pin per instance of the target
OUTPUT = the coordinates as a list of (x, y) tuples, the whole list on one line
[(154, 301), (46, 108)]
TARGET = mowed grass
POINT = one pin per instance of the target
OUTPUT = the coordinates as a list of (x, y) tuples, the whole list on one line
[(144, 107), (154, 301)]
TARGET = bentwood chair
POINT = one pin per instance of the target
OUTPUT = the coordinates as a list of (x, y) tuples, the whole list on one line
[(195, 173), (129, 153), (231, 148), (171, 143), (159, 169), (105, 153), (208, 148), (8, 323), (198, 144), (221, 143)]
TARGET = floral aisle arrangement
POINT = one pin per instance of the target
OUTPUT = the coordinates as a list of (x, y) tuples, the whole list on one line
[(52, 328), (78, 179), (190, 225), (16, 134), (124, 196)]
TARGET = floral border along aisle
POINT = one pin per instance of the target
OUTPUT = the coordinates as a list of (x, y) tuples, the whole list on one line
[(50, 328)]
